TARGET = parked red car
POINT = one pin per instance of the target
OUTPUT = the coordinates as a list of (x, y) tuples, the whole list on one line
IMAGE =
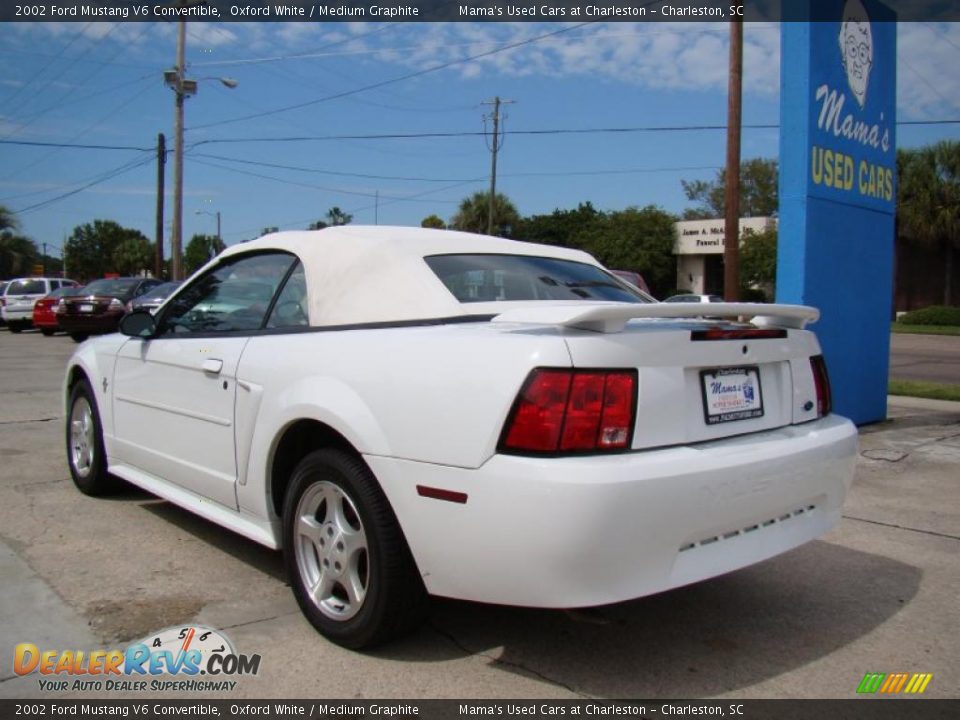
[(44, 312)]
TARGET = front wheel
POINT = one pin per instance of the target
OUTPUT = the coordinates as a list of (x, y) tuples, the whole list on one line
[(79, 337), (47, 332), (15, 327), (348, 562), (85, 454)]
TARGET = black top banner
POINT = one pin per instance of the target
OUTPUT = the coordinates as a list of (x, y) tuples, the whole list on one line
[(449, 11)]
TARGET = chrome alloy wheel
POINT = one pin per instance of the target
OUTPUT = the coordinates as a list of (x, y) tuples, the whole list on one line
[(331, 550), (82, 437)]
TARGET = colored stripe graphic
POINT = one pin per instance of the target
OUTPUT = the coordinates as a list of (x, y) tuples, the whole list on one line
[(894, 683), (871, 682), (918, 683), (889, 683)]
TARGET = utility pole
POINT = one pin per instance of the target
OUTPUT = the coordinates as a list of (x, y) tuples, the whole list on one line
[(494, 148), (43, 261), (182, 88), (176, 239), (731, 249), (161, 172), (376, 207)]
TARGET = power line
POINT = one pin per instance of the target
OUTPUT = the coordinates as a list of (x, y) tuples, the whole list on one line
[(452, 134), (383, 83), (37, 92), (318, 171), (109, 175), (42, 70), (307, 185), (74, 146), (548, 173), (110, 113)]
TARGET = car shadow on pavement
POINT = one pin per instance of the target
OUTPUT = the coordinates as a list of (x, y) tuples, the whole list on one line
[(267, 561), (705, 639)]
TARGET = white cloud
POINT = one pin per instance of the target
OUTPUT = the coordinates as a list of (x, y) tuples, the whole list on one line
[(679, 56), (928, 87)]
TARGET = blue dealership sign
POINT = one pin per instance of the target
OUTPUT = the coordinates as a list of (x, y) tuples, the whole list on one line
[(838, 190)]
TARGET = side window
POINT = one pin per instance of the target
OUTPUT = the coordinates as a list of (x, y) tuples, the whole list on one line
[(54, 285), (290, 310), (230, 297)]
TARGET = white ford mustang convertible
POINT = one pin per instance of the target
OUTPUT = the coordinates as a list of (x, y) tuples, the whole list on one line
[(411, 412)]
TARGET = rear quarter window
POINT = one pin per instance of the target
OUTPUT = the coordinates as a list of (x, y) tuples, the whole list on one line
[(27, 287), (490, 278)]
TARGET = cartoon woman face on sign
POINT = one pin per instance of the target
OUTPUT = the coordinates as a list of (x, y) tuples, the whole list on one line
[(856, 47)]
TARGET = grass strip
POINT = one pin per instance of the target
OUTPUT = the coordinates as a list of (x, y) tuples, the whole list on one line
[(923, 389)]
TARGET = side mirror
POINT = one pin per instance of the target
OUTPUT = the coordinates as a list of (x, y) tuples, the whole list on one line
[(139, 323)]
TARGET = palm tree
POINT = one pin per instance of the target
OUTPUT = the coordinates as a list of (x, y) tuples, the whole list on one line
[(336, 216), (928, 201), (8, 220), (473, 214)]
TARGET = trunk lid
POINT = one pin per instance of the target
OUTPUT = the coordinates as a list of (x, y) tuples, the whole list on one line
[(699, 379)]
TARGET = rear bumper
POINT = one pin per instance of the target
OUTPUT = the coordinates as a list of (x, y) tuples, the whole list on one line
[(105, 323), (17, 315), (584, 531)]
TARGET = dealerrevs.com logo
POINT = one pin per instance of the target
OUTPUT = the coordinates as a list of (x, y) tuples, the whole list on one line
[(191, 658)]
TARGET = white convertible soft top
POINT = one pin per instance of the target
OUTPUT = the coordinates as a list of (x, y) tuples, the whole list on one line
[(367, 274), (376, 274)]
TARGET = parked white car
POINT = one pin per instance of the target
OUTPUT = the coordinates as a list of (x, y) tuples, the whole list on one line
[(20, 295), (418, 412)]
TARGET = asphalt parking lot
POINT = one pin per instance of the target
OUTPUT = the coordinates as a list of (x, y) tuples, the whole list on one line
[(878, 594)]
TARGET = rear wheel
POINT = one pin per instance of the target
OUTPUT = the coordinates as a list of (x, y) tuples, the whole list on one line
[(85, 454), (47, 331), (348, 562), (79, 337), (15, 327)]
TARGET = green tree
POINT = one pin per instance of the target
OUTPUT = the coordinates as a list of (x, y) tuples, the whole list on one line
[(758, 191), (104, 246), (433, 221), (758, 262), (640, 240), (8, 221), (18, 254), (566, 228), (133, 255), (472, 215), (200, 249), (336, 216), (928, 202)]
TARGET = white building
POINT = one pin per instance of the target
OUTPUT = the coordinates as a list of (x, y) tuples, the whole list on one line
[(699, 250)]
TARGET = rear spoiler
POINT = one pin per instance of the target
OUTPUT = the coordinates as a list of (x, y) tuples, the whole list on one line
[(613, 317)]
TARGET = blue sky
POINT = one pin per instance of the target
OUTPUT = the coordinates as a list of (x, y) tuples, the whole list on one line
[(101, 84)]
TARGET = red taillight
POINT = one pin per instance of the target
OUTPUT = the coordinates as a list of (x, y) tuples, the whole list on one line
[(822, 382), (572, 411)]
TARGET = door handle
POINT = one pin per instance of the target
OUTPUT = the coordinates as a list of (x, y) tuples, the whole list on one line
[(212, 366)]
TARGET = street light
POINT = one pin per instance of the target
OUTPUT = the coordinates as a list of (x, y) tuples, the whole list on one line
[(182, 88), (219, 239)]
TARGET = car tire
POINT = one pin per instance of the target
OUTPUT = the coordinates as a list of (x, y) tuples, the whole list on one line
[(47, 332), (84, 436), (79, 337), (347, 560), (15, 327)]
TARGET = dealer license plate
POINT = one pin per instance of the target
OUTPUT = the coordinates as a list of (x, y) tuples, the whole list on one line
[(86, 308), (731, 394)]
